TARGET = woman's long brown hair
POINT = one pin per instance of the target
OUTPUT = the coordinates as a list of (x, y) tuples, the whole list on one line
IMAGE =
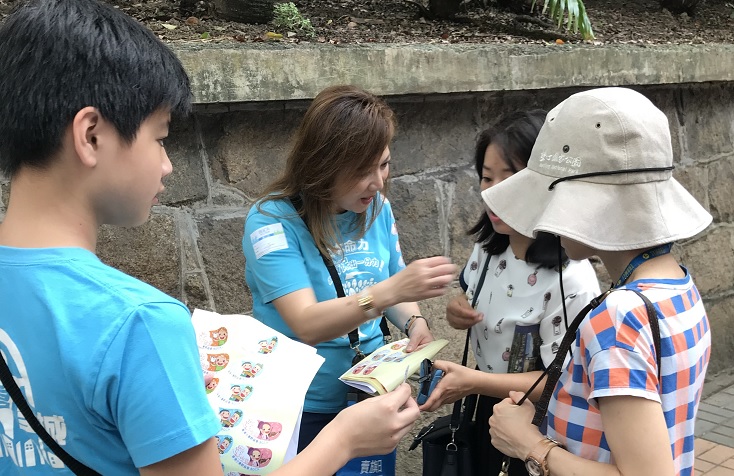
[(342, 136)]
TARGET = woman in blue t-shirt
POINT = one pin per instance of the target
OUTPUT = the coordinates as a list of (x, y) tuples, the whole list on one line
[(328, 207)]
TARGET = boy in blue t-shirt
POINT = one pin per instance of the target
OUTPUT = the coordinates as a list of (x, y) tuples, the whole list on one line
[(108, 364)]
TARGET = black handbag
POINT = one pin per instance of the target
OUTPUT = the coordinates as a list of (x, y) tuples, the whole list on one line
[(448, 443)]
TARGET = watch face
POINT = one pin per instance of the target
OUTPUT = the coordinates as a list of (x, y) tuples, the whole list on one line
[(533, 467)]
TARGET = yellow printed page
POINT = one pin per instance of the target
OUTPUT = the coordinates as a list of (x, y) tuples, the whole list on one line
[(389, 366)]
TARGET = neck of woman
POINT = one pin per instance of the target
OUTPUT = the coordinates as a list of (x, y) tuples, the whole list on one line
[(660, 267), (519, 245)]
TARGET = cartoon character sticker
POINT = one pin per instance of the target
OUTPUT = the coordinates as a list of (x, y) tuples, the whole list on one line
[(380, 355), (369, 369), (398, 345), (268, 346), (250, 370), (252, 457), (229, 417), (212, 385), (224, 442), (268, 431), (217, 362), (358, 368), (239, 393), (219, 337)]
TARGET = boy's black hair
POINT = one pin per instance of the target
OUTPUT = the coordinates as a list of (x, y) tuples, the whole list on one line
[(514, 135), (60, 56)]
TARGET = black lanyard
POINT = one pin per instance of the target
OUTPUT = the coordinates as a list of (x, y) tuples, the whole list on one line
[(353, 335)]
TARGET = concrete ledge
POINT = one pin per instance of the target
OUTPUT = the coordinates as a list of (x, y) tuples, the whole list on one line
[(265, 72)]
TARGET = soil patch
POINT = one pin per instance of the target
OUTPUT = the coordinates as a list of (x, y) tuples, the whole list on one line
[(640, 22)]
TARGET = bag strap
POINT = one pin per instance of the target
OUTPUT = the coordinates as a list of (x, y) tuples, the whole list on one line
[(555, 369), (8, 381), (353, 335), (470, 401)]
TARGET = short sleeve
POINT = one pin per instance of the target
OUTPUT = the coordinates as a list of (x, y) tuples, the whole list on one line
[(619, 358), (273, 256), (151, 387)]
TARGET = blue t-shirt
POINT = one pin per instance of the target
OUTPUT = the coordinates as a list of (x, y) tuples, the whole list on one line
[(281, 257), (108, 364)]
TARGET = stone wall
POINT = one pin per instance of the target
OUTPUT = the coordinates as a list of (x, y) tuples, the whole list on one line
[(223, 155)]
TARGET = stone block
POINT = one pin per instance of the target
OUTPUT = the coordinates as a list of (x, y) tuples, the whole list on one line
[(417, 215), (196, 292), (721, 192), (187, 182), (248, 149), (220, 244), (710, 260), (720, 313), (668, 100), (706, 125), (433, 134), (695, 179), (150, 252), (467, 208)]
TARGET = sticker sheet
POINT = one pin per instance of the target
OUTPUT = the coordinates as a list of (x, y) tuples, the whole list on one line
[(259, 381)]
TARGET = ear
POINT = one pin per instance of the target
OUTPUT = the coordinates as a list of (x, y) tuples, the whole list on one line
[(85, 130)]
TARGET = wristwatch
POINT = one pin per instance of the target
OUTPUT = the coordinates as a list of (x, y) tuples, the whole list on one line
[(537, 461)]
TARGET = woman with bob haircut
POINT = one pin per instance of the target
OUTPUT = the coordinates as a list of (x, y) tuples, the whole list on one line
[(516, 325), (325, 224)]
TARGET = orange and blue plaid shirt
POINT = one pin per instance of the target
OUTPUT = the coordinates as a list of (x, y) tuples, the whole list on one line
[(614, 355)]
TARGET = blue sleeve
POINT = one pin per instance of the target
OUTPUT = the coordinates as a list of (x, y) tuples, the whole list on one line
[(397, 263), (280, 269), (151, 386)]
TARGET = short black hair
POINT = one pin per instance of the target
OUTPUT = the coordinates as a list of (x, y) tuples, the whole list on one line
[(514, 135), (60, 56)]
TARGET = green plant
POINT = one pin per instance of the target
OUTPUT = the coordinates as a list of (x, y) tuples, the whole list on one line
[(287, 16), (578, 20)]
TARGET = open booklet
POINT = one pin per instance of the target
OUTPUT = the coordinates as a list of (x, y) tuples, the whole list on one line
[(260, 379), (387, 367)]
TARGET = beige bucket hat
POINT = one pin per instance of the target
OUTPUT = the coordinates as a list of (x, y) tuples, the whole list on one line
[(601, 174)]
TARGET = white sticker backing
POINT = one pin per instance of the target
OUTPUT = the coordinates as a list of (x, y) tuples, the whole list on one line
[(268, 239)]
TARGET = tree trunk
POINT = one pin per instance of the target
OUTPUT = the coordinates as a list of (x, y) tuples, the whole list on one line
[(245, 11)]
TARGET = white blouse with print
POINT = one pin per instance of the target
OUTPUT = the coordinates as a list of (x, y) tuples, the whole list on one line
[(521, 302)]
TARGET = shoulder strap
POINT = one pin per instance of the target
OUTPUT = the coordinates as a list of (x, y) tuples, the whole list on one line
[(555, 369), (297, 203), (470, 402), (8, 381)]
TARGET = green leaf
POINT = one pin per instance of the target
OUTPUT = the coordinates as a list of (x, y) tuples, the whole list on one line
[(205, 35)]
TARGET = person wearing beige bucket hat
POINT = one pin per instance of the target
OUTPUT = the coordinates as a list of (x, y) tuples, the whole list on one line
[(601, 176)]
